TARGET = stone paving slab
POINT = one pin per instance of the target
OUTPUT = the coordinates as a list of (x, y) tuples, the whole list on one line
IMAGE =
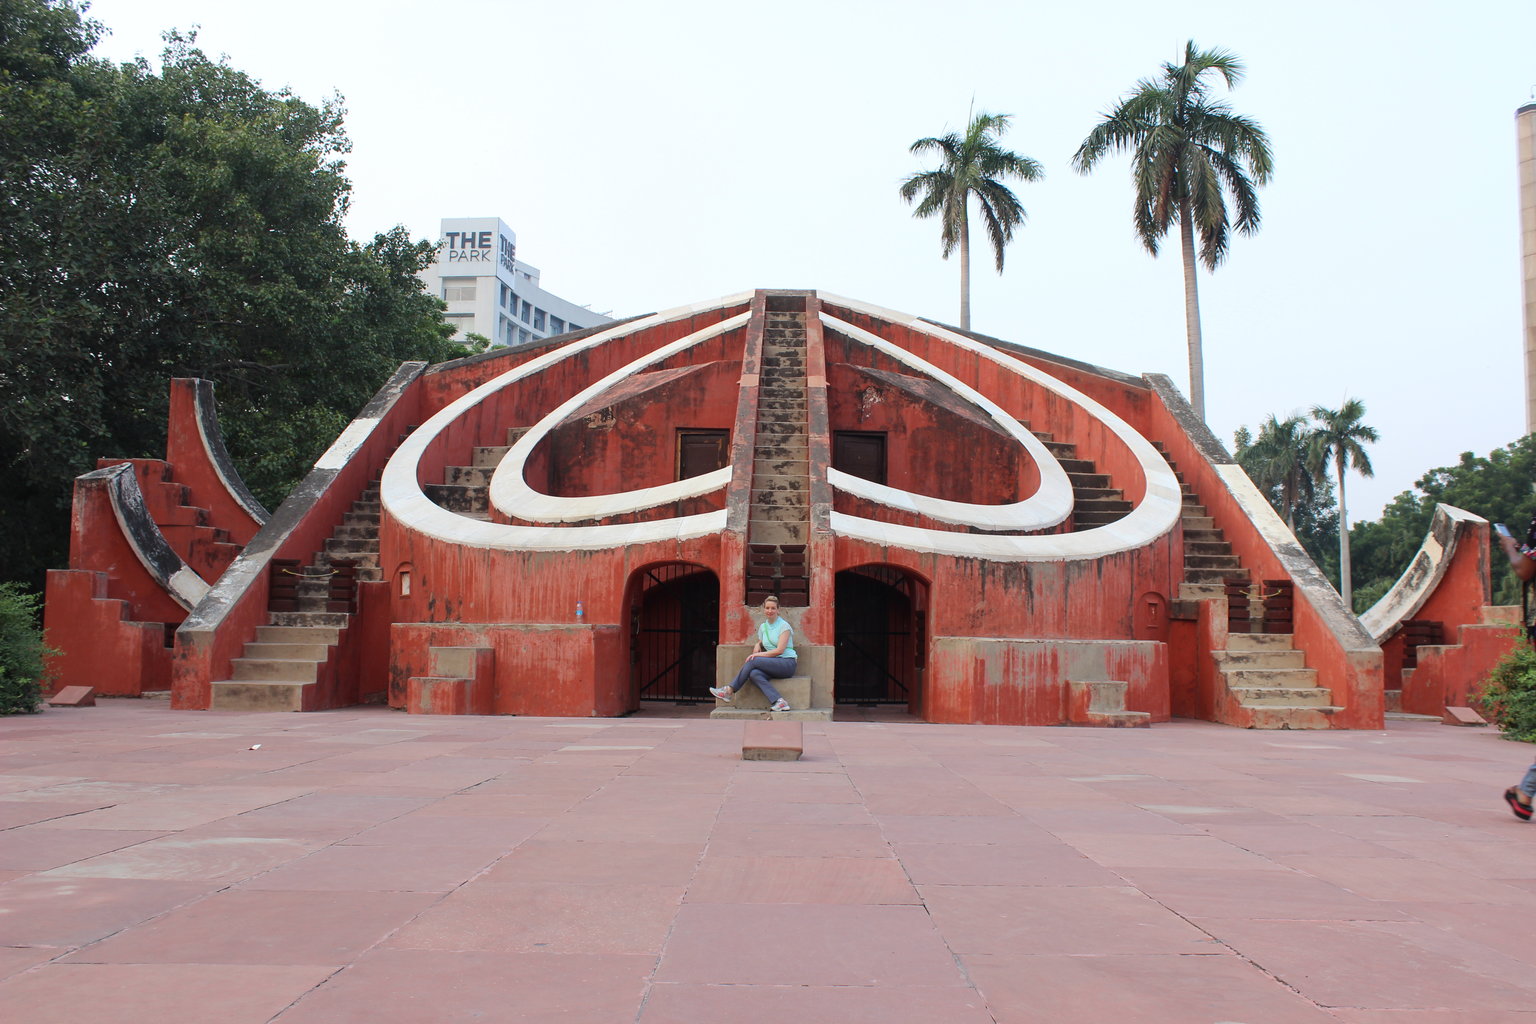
[(364, 865)]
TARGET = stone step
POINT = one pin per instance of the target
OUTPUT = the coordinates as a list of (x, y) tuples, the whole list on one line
[(257, 695), (361, 519), (729, 713), (1277, 657), (1204, 536), (361, 507), (1270, 717), (1282, 696), (1290, 678), (489, 454), (269, 650), (1214, 575), (333, 620), (301, 670), (357, 531), (1081, 494), (1206, 547), (1198, 523), (458, 498), (468, 476), (1200, 561), (1200, 591), (1080, 480), (795, 689), (1079, 466), (322, 635), (1259, 641)]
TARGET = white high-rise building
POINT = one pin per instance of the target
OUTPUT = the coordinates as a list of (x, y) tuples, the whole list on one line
[(490, 292)]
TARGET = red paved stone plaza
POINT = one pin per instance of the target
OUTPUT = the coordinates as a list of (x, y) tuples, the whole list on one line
[(366, 865)]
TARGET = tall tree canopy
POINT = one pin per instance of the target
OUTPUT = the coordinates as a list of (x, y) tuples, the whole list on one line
[(179, 221), (1188, 151), (1279, 461), (1339, 440), (972, 164)]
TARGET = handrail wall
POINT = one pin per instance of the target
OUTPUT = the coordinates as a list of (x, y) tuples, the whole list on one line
[(217, 629)]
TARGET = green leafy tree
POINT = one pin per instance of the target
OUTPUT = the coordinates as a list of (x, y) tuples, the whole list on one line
[(1312, 513), (1340, 439), (1188, 152), (973, 164), (1508, 695), (1277, 461), (22, 651), (179, 221)]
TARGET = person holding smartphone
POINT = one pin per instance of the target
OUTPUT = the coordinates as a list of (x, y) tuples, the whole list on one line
[(1522, 559)]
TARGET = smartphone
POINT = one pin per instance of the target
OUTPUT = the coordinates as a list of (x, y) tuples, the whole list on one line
[(1503, 531)]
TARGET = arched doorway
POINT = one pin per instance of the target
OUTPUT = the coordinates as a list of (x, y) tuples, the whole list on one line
[(674, 627), (881, 636)]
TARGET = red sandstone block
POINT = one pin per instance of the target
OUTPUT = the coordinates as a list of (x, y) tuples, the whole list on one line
[(772, 741), (74, 697), (1462, 716)]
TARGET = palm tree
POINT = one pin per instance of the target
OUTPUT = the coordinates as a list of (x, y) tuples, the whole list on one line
[(974, 165), (1187, 152), (1340, 439), (1281, 457)]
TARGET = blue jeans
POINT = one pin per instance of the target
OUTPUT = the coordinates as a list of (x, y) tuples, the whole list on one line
[(1528, 784), (760, 670)]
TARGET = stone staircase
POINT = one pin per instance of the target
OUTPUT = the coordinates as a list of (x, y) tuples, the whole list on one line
[(467, 489), (779, 522), (207, 550), (1268, 685), (1267, 682), (309, 609), (1094, 501)]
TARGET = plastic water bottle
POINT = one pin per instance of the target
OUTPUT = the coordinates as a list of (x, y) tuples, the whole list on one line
[(580, 614)]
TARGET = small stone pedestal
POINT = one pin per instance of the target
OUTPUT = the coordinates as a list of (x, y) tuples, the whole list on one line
[(772, 741)]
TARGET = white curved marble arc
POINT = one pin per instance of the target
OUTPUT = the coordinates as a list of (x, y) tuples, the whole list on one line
[(1049, 505), (1154, 516), (512, 495), (1447, 528), (401, 493)]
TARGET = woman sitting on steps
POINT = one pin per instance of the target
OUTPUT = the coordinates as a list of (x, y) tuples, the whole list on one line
[(772, 657)]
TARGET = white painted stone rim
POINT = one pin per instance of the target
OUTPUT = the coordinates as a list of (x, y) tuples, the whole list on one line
[(1424, 573), (511, 494), (1048, 506), (1153, 517), (402, 496)]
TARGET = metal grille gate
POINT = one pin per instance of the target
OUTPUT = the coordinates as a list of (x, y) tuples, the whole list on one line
[(674, 627)]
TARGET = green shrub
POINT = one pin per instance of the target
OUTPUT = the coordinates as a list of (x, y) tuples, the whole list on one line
[(1509, 694), (22, 670)]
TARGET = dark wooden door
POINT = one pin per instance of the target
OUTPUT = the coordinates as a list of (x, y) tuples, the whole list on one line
[(860, 454), (702, 451)]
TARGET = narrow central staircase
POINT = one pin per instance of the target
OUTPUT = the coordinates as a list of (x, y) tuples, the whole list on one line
[(780, 521)]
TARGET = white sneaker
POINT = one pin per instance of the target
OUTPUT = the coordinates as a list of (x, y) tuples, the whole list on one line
[(721, 693), (781, 705)]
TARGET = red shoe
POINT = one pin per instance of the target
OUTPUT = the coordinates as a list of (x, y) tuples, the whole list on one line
[(1522, 810)]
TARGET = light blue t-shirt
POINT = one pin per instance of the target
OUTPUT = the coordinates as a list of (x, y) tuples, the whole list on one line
[(768, 635)]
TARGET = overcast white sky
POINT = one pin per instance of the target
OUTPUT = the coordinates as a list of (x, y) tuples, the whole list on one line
[(654, 154)]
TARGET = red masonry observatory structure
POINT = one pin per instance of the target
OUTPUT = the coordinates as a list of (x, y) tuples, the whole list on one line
[(975, 530)]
